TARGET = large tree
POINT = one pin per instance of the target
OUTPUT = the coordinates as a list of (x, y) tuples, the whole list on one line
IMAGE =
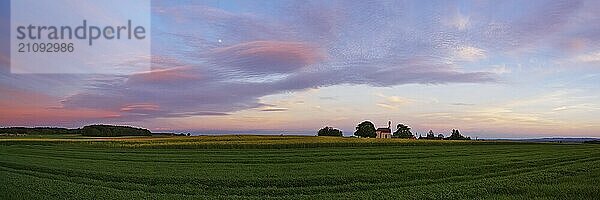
[(365, 129), (329, 131), (403, 131)]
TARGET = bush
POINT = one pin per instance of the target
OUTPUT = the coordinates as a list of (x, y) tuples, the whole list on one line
[(329, 131)]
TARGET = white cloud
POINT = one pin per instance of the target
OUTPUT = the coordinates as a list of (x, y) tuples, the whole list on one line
[(387, 106), (500, 69), (391, 102), (561, 108), (588, 58), (582, 107), (398, 100), (459, 21), (469, 53)]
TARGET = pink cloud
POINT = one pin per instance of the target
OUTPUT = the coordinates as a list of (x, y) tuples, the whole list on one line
[(19, 107), (140, 107), (269, 56), (20, 97), (4, 59), (164, 75)]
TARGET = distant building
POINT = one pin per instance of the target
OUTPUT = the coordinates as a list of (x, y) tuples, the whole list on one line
[(384, 132)]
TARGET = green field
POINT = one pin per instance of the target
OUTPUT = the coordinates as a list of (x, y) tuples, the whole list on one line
[(289, 167)]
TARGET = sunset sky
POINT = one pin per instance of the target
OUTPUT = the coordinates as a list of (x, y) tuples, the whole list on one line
[(493, 69)]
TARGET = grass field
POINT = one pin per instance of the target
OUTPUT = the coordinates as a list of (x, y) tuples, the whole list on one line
[(290, 167)]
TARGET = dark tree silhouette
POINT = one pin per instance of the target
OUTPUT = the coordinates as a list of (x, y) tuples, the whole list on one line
[(430, 135), (403, 131), (113, 131), (457, 136), (37, 131), (91, 130), (365, 129), (329, 131)]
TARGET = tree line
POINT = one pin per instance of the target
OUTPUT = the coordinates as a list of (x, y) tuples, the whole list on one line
[(366, 129), (36, 131), (113, 131), (91, 130)]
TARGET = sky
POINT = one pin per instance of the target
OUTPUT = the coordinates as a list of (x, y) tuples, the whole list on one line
[(493, 69)]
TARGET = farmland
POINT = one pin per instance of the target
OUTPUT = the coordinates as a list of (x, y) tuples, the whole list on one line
[(293, 167)]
